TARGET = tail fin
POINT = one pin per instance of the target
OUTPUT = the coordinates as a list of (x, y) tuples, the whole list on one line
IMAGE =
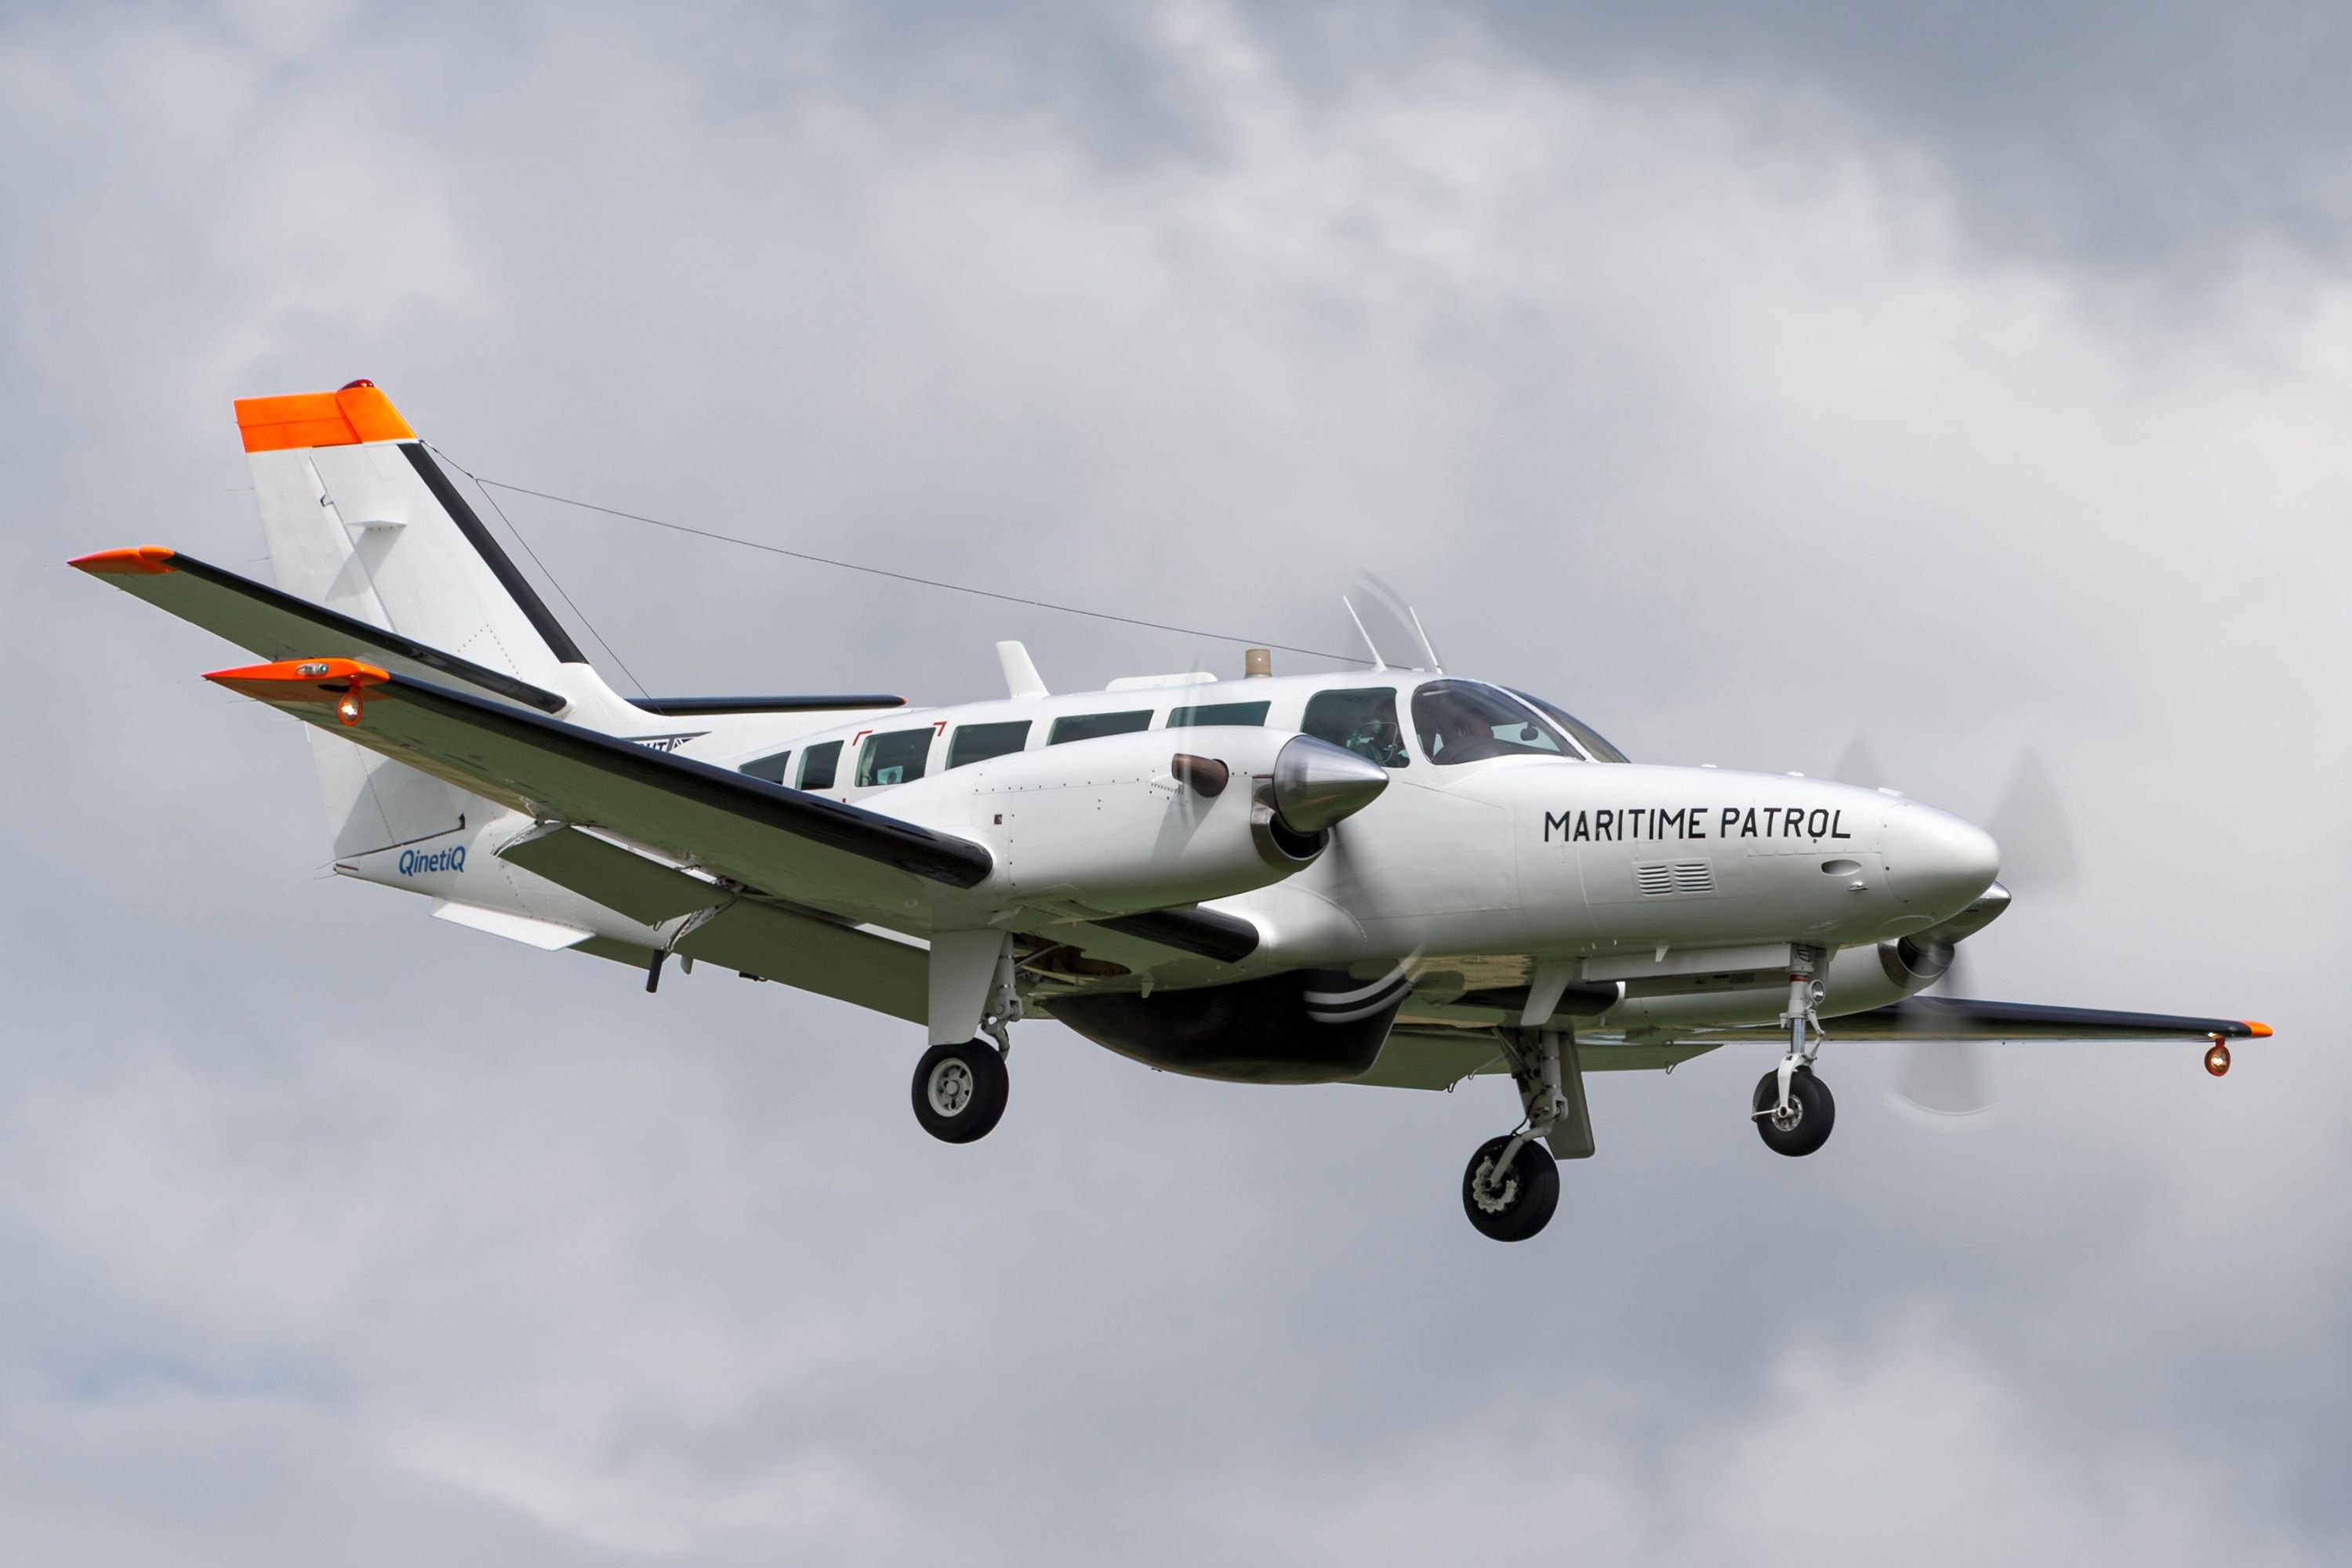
[(360, 518)]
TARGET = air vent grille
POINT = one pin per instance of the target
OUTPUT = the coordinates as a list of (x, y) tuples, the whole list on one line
[(1663, 878)]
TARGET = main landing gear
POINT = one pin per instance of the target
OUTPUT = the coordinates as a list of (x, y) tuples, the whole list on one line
[(1512, 1185), (960, 1088), (1793, 1109)]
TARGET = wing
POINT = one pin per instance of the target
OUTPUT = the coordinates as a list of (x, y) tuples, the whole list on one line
[(1439, 1058), (1956, 1018), (814, 851)]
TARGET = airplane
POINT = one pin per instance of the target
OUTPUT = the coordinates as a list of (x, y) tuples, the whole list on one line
[(1399, 878)]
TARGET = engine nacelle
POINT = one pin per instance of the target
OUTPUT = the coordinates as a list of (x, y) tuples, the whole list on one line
[(1122, 824)]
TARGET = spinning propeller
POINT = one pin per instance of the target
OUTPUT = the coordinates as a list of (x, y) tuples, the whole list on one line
[(1950, 1081)]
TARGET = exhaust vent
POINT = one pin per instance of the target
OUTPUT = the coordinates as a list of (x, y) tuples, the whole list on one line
[(1661, 878)]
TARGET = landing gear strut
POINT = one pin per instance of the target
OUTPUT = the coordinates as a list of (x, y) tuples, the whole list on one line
[(1512, 1185), (962, 1087), (1793, 1109)]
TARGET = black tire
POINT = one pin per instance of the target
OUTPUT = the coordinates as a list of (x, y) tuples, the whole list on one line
[(960, 1091), (1530, 1190), (1813, 1113)]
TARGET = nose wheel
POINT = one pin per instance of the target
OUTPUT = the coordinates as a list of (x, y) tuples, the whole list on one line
[(1801, 1123), (960, 1090)]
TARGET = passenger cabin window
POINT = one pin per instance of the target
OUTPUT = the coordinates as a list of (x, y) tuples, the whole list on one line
[(818, 765), (977, 742), (1595, 747), (1467, 721), (1219, 713), (769, 768), (1364, 720), (1087, 726), (894, 758)]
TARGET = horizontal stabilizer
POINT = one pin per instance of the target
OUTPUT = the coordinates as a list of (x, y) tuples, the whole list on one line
[(277, 625)]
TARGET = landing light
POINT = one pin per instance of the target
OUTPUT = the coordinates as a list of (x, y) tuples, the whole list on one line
[(348, 710), (2217, 1058)]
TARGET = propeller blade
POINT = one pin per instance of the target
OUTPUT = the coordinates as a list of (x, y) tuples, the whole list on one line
[(1858, 765), (1947, 1079), (1943, 1078), (2036, 837)]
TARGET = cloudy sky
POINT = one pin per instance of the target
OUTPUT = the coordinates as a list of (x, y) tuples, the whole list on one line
[(1750, 378)]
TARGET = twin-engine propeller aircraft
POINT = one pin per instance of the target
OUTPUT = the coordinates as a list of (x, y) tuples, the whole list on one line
[(1402, 877)]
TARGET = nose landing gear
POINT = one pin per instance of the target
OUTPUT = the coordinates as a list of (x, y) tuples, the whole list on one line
[(1792, 1109)]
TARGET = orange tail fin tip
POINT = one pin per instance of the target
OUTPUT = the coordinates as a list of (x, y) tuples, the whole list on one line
[(358, 412)]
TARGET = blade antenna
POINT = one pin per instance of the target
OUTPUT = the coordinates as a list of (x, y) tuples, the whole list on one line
[(1378, 662), (1436, 667)]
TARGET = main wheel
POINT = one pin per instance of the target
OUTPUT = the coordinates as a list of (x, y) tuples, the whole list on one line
[(1510, 1205), (960, 1090), (1811, 1112)]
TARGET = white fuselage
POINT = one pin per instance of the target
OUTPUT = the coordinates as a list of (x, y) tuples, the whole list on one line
[(1531, 856)]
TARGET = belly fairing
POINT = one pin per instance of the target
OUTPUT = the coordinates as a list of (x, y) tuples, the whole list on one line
[(1308, 1025)]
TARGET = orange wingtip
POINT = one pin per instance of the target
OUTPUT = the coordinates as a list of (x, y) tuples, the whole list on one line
[(2258, 1031), (146, 561), (287, 680), (357, 413)]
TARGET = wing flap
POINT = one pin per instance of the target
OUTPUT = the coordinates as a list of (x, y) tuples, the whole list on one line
[(747, 936), (621, 879)]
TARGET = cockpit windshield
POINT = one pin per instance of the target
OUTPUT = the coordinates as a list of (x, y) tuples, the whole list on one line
[(1468, 721), (1598, 750)]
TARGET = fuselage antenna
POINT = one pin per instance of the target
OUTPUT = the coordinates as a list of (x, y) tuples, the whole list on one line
[(1436, 666), (1374, 649)]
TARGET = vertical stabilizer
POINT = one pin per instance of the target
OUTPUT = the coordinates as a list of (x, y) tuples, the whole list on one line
[(362, 518)]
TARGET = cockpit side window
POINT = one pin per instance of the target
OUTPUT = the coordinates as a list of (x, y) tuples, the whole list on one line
[(1468, 721), (1595, 747), (977, 742), (1363, 720), (819, 764), (893, 757)]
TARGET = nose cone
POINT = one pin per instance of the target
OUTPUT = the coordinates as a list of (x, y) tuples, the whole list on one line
[(1316, 784), (1938, 863)]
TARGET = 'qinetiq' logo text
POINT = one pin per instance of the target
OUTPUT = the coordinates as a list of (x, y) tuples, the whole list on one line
[(418, 862)]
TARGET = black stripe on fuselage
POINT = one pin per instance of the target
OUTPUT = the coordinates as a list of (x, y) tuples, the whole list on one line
[(550, 630), (702, 706)]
